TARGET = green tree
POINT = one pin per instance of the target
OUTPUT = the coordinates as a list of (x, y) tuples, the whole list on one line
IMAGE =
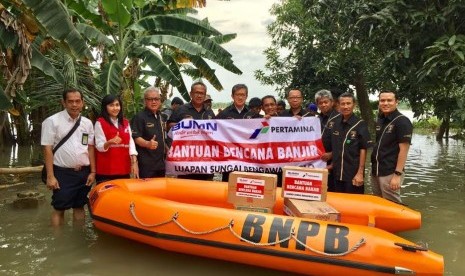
[(326, 49), (414, 47), (426, 57)]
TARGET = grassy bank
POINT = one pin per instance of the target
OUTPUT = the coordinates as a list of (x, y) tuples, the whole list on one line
[(432, 124)]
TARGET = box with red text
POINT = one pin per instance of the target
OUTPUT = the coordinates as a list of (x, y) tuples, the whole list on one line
[(305, 183), (252, 189), (310, 209)]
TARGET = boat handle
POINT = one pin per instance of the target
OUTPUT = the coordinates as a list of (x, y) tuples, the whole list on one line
[(411, 247)]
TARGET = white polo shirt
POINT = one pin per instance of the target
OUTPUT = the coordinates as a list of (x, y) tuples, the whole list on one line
[(73, 153)]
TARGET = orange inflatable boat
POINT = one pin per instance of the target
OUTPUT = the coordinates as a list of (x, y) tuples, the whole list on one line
[(193, 217)]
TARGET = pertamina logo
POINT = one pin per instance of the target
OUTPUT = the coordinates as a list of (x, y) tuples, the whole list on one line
[(261, 130)]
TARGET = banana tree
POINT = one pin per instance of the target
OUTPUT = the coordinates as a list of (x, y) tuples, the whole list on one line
[(128, 37), (124, 44), (22, 25), (24, 21), (138, 40)]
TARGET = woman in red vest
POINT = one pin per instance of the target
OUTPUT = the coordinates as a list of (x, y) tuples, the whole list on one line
[(116, 155)]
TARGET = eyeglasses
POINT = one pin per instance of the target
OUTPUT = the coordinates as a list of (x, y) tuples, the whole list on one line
[(152, 99), (200, 94)]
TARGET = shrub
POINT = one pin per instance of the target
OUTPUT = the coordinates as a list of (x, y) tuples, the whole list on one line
[(432, 123)]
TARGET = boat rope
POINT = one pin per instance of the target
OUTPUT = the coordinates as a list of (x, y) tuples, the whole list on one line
[(132, 209), (230, 226), (355, 247), (257, 243), (201, 232)]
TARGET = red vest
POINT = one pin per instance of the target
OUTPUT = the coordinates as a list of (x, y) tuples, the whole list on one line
[(116, 160)]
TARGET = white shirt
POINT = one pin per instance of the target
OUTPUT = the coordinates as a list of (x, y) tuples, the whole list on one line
[(100, 138), (239, 110), (73, 153)]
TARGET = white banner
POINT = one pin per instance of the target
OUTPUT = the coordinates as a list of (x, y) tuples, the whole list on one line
[(248, 145)]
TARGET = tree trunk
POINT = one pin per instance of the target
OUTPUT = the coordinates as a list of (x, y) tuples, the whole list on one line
[(21, 170), (6, 135), (444, 128), (447, 125), (364, 101), (36, 118), (21, 125)]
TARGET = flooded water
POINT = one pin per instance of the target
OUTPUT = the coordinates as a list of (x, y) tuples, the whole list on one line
[(435, 185)]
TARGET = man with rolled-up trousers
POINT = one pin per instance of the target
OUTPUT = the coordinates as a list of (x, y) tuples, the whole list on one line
[(71, 169)]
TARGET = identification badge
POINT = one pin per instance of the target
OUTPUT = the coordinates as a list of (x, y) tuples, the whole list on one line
[(85, 139)]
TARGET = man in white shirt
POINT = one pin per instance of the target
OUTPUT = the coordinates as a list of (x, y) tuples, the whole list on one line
[(71, 169)]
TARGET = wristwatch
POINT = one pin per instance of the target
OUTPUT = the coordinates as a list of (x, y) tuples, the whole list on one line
[(398, 173)]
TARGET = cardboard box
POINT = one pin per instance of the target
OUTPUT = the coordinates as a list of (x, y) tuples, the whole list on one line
[(254, 209), (252, 189), (305, 183), (311, 209)]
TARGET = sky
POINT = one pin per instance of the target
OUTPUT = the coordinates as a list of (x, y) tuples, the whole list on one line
[(248, 19)]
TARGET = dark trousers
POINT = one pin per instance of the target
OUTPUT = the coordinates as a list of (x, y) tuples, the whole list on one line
[(197, 176), (225, 176), (280, 179), (331, 182), (73, 190), (348, 187), (150, 173), (103, 177)]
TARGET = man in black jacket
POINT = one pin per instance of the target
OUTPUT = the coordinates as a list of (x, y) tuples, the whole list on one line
[(196, 110), (238, 108), (393, 137)]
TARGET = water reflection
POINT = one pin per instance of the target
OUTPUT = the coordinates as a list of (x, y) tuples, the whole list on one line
[(28, 245), (435, 168), (435, 185)]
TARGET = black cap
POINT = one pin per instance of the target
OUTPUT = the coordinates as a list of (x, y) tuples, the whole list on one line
[(255, 102), (208, 98), (176, 100)]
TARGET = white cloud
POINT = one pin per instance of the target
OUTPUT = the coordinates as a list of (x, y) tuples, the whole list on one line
[(248, 19)]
